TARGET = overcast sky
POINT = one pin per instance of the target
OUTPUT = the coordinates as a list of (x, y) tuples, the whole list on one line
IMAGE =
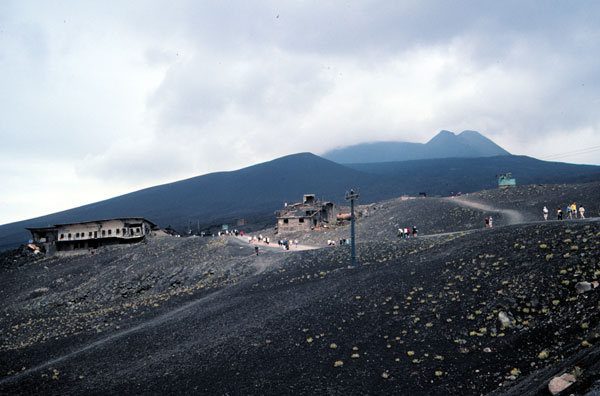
[(101, 98)]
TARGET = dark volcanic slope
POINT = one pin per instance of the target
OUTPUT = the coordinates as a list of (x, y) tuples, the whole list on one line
[(255, 192), (529, 200), (445, 144), (415, 317)]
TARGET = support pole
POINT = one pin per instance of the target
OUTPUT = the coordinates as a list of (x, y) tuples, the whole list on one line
[(352, 246), (352, 196)]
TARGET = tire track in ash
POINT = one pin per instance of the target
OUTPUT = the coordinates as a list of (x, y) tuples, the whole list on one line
[(513, 216)]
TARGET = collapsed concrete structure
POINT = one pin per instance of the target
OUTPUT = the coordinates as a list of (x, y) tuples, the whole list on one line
[(91, 234), (306, 215)]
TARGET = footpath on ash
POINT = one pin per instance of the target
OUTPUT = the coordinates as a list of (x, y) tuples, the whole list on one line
[(512, 216)]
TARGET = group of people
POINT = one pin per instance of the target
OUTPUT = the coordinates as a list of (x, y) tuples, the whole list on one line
[(489, 222), (404, 233), (331, 242), (573, 211), (283, 243)]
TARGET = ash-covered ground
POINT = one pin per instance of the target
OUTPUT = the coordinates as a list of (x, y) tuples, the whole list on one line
[(478, 311)]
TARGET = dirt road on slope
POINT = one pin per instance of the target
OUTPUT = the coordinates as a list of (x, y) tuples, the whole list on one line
[(512, 216)]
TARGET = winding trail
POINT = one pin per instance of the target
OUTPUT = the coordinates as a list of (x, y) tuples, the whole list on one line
[(513, 216)]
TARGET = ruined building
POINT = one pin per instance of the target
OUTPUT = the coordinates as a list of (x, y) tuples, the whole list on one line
[(91, 234), (306, 215)]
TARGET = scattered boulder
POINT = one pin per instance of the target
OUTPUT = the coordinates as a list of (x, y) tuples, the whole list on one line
[(506, 319), (560, 383), (583, 287)]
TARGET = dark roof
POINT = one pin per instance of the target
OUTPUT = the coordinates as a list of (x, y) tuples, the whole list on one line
[(141, 219), (49, 228)]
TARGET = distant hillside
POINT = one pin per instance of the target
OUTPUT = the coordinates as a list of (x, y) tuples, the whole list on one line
[(255, 192), (445, 144)]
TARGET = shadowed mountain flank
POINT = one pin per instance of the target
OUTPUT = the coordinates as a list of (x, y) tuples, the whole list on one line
[(255, 192)]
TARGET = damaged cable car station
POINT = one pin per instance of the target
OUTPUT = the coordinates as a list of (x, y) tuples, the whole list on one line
[(306, 215), (91, 234)]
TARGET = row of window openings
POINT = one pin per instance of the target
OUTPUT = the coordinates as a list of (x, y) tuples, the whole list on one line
[(104, 233), (300, 220)]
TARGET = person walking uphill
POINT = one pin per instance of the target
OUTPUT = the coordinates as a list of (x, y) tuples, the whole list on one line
[(545, 211), (414, 231), (582, 211), (574, 209), (559, 214)]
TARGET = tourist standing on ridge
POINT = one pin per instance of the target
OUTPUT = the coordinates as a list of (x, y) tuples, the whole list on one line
[(559, 214), (574, 209), (491, 221), (256, 250), (582, 211), (545, 210), (569, 212), (487, 222), (414, 231)]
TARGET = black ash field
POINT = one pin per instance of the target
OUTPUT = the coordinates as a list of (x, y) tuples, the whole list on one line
[(470, 311)]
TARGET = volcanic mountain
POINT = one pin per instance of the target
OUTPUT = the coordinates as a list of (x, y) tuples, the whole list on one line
[(255, 192), (445, 144)]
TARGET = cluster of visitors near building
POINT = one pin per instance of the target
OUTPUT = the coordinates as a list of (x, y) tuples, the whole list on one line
[(573, 211), (230, 232), (342, 242), (283, 243), (404, 233)]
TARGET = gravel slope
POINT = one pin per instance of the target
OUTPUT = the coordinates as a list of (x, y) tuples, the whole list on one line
[(207, 316)]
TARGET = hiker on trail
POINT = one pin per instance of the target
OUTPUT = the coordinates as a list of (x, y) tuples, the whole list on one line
[(491, 221), (545, 210), (407, 232), (400, 233), (574, 209), (569, 212), (256, 250), (487, 222), (559, 214), (414, 232), (296, 243), (582, 211)]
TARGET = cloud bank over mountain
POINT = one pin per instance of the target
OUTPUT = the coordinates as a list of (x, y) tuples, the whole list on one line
[(107, 98)]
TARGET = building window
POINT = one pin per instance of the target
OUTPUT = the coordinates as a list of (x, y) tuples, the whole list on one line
[(62, 236), (77, 235), (109, 232), (95, 234), (137, 230), (103, 232), (90, 234), (285, 221), (301, 220), (118, 231), (69, 235)]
